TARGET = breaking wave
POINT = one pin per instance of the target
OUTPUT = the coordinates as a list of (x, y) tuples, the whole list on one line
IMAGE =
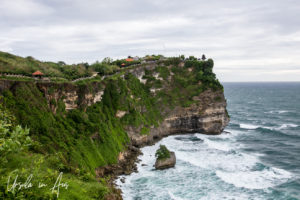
[(255, 179)]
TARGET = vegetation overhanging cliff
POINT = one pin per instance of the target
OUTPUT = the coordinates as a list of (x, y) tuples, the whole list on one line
[(77, 128)]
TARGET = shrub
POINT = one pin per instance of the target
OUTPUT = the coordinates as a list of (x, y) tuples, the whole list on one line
[(145, 131), (163, 72), (218, 98), (104, 68), (162, 152), (12, 139), (173, 61)]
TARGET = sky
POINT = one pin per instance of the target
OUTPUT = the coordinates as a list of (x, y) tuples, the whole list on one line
[(249, 40)]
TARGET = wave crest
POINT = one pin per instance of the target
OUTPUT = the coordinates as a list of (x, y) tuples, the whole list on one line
[(282, 127), (255, 179), (248, 126)]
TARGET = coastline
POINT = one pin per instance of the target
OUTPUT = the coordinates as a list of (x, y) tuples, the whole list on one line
[(169, 100), (128, 164), (228, 165), (208, 117)]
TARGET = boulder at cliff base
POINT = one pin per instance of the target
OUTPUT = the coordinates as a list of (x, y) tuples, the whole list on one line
[(166, 162)]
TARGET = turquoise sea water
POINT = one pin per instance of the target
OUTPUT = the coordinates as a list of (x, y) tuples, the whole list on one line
[(258, 159)]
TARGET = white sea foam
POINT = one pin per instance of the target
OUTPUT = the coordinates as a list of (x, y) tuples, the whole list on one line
[(173, 197), (217, 145), (282, 111), (268, 127), (217, 195), (234, 168), (277, 111), (285, 126), (232, 134), (249, 126), (255, 179), (212, 159), (215, 155)]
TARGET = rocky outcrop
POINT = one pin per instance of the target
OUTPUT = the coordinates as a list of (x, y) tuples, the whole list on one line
[(166, 163), (208, 116), (71, 95), (126, 164), (120, 113)]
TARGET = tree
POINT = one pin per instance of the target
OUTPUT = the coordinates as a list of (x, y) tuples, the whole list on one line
[(13, 139), (30, 58), (107, 60), (192, 58), (210, 63), (61, 63), (86, 65), (203, 57), (162, 152), (199, 76)]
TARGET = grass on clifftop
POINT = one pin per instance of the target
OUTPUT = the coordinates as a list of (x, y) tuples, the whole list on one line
[(26, 66), (13, 64)]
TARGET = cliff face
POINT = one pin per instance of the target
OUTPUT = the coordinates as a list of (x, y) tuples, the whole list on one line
[(96, 126), (207, 116), (71, 95)]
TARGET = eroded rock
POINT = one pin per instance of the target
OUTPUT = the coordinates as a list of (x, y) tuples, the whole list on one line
[(166, 162)]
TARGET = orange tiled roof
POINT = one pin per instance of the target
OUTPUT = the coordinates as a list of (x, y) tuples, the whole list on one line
[(37, 73), (129, 59)]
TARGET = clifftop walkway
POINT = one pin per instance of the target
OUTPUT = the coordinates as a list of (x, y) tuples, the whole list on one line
[(130, 68)]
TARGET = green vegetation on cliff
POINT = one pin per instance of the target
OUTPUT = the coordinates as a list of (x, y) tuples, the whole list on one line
[(78, 141), (20, 164), (26, 66), (162, 152), (59, 71)]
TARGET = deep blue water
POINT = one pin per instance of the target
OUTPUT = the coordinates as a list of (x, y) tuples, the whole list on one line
[(258, 159)]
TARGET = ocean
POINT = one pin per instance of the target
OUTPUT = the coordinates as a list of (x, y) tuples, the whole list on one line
[(257, 156)]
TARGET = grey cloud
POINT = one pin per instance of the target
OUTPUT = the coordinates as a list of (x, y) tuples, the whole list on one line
[(245, 35)]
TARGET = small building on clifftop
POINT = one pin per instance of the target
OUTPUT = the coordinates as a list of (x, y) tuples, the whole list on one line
[(37, 74)]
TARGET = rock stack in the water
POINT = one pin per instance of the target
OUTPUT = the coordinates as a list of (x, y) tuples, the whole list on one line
[(165, 158)]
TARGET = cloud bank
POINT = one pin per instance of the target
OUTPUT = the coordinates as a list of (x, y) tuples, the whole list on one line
[(250, 40)]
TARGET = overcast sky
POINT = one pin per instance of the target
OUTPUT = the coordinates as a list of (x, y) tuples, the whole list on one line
[(249, 40)]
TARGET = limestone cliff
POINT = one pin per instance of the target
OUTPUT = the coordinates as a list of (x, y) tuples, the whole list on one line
[(71, 95), (93, 127), (207, 116)]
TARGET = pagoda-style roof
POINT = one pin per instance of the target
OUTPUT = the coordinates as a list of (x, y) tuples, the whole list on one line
[(37, 73)]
